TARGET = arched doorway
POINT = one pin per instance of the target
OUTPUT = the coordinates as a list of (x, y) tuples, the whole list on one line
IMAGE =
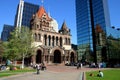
[(72, 57), (57, 56), (39, 57)]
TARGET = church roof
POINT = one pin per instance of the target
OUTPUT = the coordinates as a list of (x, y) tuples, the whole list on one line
[(41, 12), (64, 26)]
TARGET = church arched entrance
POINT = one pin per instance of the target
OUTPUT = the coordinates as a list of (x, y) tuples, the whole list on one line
[(57, 56), (72, 57), (39, 56)]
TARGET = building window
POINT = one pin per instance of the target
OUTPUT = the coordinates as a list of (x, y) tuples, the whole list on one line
[(39, 37), (66, 41), (35, 37)]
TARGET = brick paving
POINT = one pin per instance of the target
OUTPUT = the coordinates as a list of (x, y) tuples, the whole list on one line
[(53, 73)]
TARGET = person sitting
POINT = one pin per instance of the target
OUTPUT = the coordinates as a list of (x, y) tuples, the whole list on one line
[(100, 74), (43, 67)]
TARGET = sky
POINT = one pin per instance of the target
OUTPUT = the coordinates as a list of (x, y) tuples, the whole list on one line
[(60, 10)]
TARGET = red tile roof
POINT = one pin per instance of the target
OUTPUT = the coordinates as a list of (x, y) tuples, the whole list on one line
[(41, 11)]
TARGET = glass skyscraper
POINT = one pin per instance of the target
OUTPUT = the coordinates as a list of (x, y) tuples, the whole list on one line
[(7, 29), (24, 13), (92, 17)]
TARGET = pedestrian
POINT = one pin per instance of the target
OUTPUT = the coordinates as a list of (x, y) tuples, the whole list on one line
[(81, 65), (100, 74), (78, 65), (38, 69), (99, 65)]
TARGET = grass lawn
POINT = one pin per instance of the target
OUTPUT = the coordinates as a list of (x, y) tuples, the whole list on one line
[(110, 74), (14, 72)]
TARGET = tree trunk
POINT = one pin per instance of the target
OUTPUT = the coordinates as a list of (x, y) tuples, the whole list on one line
[(22, 62)]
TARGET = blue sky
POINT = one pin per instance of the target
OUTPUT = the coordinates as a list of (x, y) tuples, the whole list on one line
[(61, 10)]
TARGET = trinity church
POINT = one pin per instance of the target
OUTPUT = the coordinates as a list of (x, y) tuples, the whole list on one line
[(51, 45)]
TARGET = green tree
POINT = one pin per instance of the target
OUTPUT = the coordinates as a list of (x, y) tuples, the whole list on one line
[(19, 44), (11, 47), (25, 46), (114, 50), (1, 50)]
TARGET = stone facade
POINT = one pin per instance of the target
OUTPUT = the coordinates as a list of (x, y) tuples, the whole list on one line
[(51, 45)]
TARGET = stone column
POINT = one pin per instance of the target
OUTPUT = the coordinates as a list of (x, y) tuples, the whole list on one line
[(43, 58), (49, 58), (69, 57), (50, 41), (54, 41), (58, 41), (64, 59)]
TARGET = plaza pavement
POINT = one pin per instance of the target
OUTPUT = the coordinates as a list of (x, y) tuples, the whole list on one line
[(53, 73)]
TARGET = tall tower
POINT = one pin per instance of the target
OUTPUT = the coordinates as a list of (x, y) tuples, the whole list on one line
[(89, 14), (24, 13)]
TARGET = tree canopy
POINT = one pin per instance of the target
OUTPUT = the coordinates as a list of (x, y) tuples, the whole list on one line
[(19, 44)]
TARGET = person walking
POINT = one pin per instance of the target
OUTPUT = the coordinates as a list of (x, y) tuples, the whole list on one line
[(78, 65), (81, 65), (38, 69)]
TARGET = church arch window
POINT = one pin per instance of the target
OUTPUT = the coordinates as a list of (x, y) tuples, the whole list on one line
[(37, 26), (35, 37), (57, 41), (39, 37), (49, 40), (66, 41), (47, 24), (69, 41), (45, 40), (53, 41), (44, 23), (60, 41)]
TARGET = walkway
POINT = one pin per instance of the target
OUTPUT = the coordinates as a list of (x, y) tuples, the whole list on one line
[(52, 73)]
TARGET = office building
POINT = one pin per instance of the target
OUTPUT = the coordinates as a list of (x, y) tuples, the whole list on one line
[(6, 32), (24, 13), (92, 18)]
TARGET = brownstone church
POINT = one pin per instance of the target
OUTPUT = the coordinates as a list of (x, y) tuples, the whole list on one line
[(51, 45)]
